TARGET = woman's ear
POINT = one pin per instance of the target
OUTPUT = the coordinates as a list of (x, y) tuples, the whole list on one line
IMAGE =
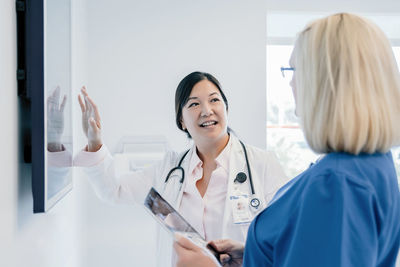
[(183, 125)]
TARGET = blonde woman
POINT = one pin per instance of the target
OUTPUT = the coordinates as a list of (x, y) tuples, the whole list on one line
[(345, 209)]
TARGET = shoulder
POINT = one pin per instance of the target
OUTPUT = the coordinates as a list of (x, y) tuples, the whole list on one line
[(332, 184), (170, 160), (259, 158), (362, 179), (365, 170), (265, 158), (268, 169), (336, 178), (172, 157)]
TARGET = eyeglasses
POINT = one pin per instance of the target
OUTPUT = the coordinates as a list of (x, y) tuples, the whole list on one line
[(283, 69)]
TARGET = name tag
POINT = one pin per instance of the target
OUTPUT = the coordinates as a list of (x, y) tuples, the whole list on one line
[(240, 209)]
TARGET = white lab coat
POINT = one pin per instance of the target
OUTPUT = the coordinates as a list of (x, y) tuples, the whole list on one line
[(266, 171)]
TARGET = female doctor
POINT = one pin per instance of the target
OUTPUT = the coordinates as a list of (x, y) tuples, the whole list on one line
[(218, 186)]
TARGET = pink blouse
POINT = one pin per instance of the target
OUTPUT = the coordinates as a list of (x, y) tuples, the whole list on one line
[(206, 213)]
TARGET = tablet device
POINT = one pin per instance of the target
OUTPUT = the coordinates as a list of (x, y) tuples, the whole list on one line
[(172, 221)]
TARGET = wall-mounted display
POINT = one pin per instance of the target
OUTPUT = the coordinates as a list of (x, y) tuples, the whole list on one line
[(44, 82)]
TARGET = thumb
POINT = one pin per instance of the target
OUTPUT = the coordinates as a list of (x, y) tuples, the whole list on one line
[(185, 242)]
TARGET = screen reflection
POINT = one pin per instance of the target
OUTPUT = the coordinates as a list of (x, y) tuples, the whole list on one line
[(58, 104)]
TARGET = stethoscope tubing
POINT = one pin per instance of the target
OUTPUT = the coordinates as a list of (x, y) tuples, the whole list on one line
[(248, 168), (179, 167)]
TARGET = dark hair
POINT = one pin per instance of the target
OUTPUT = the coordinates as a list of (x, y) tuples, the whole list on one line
[(185, 88)]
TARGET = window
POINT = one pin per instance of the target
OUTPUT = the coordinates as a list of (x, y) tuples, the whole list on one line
[(396, 150), (284, 135)]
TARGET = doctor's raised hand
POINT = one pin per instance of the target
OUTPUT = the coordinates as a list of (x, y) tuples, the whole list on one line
[(91, 123)]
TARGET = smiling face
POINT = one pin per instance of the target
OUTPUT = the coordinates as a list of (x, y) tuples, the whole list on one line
[(205, 115)]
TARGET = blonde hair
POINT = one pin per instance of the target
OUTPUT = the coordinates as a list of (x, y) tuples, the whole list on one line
[(347, 86)]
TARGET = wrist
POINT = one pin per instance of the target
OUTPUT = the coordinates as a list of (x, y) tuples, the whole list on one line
[(55, 147), (94, 147)]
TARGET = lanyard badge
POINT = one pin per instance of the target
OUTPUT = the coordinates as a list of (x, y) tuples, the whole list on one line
[(240, 209)]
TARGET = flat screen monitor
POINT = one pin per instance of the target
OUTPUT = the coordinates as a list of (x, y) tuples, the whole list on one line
[(44, 84)]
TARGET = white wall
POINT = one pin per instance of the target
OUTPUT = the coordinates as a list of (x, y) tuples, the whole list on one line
[(140, 50), (27, 239), (9, 133)]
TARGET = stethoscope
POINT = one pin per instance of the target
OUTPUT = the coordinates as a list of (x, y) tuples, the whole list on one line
[(241, 177)]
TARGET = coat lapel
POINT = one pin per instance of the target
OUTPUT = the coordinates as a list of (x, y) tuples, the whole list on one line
[(173, 190), (236, 164)]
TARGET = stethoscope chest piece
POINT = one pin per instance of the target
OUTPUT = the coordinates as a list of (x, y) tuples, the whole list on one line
[(255, 203), (241, 177)]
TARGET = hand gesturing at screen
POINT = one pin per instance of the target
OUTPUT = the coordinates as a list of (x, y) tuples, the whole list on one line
[(90, 121)]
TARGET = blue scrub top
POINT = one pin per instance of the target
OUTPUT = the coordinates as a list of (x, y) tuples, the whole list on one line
[(342, 211)]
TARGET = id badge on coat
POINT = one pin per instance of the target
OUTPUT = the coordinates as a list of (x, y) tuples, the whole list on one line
[(240, 209)]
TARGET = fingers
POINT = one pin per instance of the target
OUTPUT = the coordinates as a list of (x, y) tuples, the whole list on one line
[(52, 101), (185, 243), (85, 98), (94, 109), (64, 101), (56, 95), (178, 248), (185, 251), (224, 258), (221, 245), (184, 255), (81, 104), (191, 255), (88, 105), (83, 90), (93, 105)]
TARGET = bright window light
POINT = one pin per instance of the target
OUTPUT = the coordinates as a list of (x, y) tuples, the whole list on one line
[(284, 135), (396, 150)]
